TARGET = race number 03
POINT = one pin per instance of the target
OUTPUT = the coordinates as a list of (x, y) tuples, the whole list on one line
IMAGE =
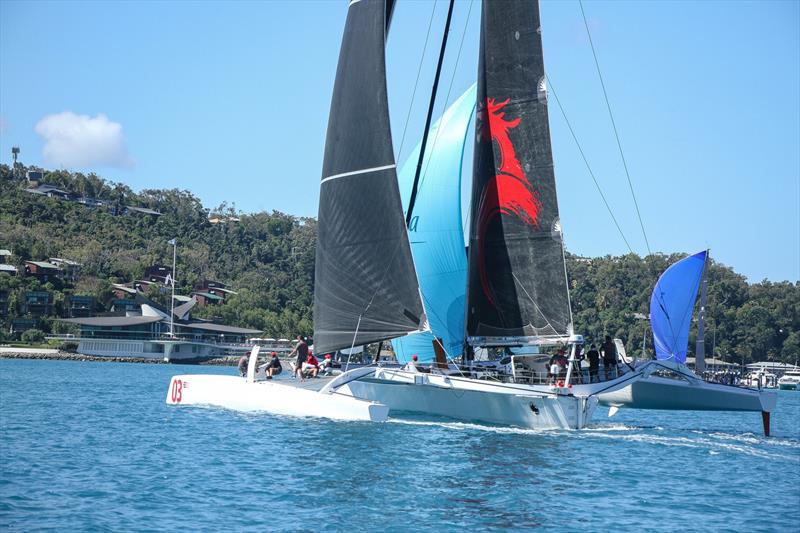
[(177, 387)]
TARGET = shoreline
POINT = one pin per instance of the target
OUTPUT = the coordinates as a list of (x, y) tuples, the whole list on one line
[(58, 355)]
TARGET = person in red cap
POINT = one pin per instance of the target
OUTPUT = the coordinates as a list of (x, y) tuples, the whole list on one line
[(274, 366), (412, 365), (325, 366), (311, 366)]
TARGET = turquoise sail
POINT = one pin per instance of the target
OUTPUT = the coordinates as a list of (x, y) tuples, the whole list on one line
[(671, 307), (436, 233)]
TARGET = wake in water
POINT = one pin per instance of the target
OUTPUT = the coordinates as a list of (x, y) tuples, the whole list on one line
[(715, 442)]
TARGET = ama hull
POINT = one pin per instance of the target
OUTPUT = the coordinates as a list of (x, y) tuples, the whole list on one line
[(473, 401), (677, 394), (240, 394)]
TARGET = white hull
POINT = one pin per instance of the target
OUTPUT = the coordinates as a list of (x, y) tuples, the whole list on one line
[(691, 394), (530, 406), (239, 394)]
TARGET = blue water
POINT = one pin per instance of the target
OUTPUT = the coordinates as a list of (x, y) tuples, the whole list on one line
[(92, 446)]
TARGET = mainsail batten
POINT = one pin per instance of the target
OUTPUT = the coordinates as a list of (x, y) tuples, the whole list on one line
[(366, 288), (517, 286)]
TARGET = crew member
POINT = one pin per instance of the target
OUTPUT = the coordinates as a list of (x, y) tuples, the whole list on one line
[(274, 367), (609, 350), (301, 350), (594, 363), (311, 365), (243, 364)]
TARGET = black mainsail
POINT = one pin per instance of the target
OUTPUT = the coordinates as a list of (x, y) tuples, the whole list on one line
[(366, 288), (517, 285)]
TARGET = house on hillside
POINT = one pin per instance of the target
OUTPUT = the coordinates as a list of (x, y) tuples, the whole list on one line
[(206, 298), (38, 303), (122, 292), (157, 273), (68, 266), (51, 191), (41, 270), (18, 325), (79, 306), (5, 263), (124, 306), (3, 303), (215, 289)]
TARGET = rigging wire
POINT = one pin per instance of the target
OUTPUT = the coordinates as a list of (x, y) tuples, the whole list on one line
[(416, 83), (614, 125), (449, 89), (586, 162), (429, 116)]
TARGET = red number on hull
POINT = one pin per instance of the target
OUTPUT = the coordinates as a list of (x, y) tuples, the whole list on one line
[(177, 386)]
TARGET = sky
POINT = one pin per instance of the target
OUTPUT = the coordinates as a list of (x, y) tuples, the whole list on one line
[(230, 100)]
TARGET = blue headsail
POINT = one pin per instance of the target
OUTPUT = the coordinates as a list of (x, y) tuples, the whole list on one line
[(671, 307), (436, 234)]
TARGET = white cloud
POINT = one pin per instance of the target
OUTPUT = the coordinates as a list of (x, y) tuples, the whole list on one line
[(82, 141)]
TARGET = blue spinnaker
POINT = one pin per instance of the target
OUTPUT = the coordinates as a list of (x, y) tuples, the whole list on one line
[(671, 307), (436, 234)]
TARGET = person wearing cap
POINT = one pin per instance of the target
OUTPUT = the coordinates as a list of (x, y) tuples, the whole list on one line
[(325, 366), (311, 365), (411, 366), (274, 366)]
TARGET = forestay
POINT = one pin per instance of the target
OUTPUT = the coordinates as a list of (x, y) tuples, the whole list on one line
[(365, 285)]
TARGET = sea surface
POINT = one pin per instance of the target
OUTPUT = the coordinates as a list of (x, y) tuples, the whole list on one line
[(93, 447)]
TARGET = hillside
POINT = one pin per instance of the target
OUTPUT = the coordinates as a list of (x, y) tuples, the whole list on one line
[(268, 258)]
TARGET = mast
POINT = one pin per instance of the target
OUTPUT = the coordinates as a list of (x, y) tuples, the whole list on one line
[(517, 285), (426, 131), (366, 288), (700, 348)]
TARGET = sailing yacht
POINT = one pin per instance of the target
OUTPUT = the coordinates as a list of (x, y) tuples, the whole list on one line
[(675, 386), (366, 282)]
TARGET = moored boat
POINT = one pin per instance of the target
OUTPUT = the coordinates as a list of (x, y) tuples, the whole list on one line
[(790, 380)]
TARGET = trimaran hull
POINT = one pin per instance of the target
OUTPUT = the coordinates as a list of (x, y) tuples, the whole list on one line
[(472, 400), (249, 395), (677, 394)]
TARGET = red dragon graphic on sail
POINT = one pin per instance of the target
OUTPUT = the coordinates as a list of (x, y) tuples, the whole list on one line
[(508, 192)]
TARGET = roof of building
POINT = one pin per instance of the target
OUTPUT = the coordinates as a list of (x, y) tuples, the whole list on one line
[(124, 288), (182, 298), (113, 320), (218, 328), (207, 295), (7, 268), (5, 252), (45, 189), (144, 210), (69, 262), (43, 264), (182, 310), (221, 289)]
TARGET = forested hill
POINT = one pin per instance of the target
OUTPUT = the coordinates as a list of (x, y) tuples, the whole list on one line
[(268, 258)]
